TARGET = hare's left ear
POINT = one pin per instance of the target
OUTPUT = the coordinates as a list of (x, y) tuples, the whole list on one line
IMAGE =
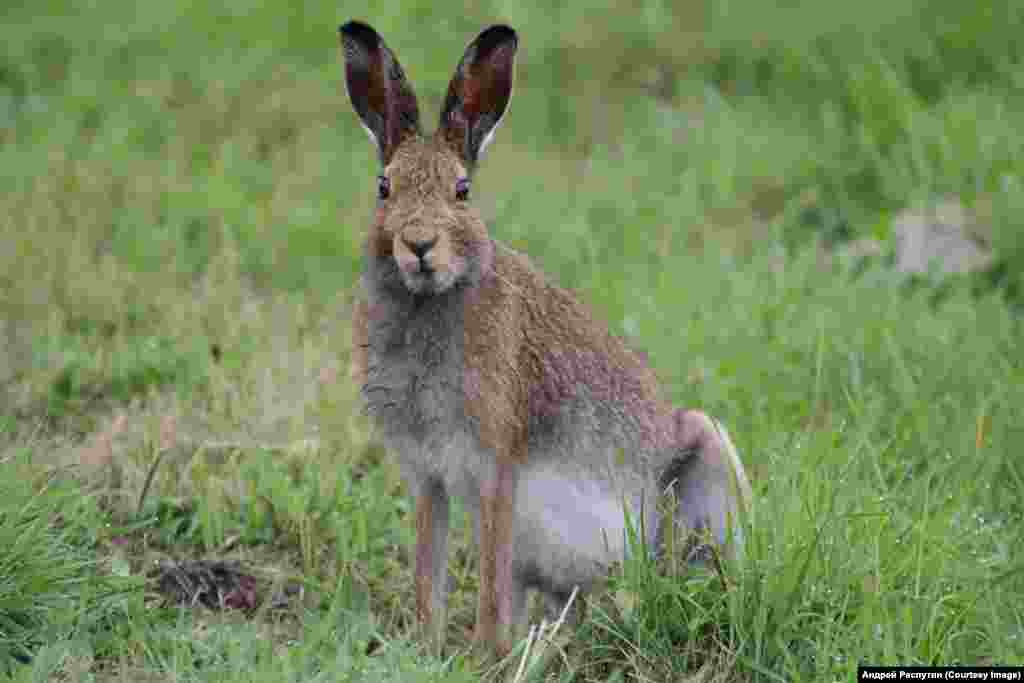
[(479, 92), (380, 93)]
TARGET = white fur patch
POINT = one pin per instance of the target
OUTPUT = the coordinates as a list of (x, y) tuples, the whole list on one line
[(373, 138), (585, 516)]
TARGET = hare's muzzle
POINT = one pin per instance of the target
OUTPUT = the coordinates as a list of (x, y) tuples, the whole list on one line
[(420, 246), (422, 258), (415, 252)]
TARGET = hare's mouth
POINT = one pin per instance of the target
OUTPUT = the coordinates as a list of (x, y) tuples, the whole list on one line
[(424, 280), (427, 266)]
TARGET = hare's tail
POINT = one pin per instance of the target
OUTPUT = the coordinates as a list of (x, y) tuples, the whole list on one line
[(743, 491)]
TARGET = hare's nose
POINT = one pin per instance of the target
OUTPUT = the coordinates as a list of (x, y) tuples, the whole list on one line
[(420, 247)]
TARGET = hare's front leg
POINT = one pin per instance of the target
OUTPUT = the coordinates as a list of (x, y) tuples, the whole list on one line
[(432, 558), (502, 596)]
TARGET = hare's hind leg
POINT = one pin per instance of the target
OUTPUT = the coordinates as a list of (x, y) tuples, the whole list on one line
[(708, 484)]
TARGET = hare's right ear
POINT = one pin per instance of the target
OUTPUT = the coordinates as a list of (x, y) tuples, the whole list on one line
[(380, 94), (479, 92)]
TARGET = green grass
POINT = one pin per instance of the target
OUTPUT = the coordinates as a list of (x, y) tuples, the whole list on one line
[(183, 190), (53, 587)]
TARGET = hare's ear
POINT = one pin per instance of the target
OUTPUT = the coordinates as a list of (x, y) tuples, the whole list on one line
[(479, 92), (378, 89)]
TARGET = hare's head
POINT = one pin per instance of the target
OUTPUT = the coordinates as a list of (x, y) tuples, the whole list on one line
[(425, 237)]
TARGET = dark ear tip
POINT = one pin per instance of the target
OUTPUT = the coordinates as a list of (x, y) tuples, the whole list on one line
[(359, 32), (498, 34)]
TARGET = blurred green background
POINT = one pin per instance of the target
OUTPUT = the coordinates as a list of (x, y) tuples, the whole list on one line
[(162, 125), (183, 190)]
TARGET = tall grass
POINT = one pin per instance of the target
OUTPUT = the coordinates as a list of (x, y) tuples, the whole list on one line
[(52, 587)]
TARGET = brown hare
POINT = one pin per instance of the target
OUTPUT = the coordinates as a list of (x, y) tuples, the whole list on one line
[(491, 383)]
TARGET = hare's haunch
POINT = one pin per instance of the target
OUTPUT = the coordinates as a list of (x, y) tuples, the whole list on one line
[(491, 383)]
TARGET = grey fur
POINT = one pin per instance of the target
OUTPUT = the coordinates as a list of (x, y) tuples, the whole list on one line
[(587, 467)]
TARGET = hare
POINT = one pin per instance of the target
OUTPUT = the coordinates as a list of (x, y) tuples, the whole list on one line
[(491, 383)]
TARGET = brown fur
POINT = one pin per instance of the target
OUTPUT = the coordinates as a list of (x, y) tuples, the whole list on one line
[(485, 377)]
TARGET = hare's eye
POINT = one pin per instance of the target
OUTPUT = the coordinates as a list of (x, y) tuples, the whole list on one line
[(383, 187), (462, 189)]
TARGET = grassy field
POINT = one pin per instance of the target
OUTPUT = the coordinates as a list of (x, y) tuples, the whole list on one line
[(183, 189)]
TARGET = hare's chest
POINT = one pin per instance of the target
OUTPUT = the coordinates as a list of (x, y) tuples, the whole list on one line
[(415, 392), (419, 411), (412, 391), (414, 371)]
